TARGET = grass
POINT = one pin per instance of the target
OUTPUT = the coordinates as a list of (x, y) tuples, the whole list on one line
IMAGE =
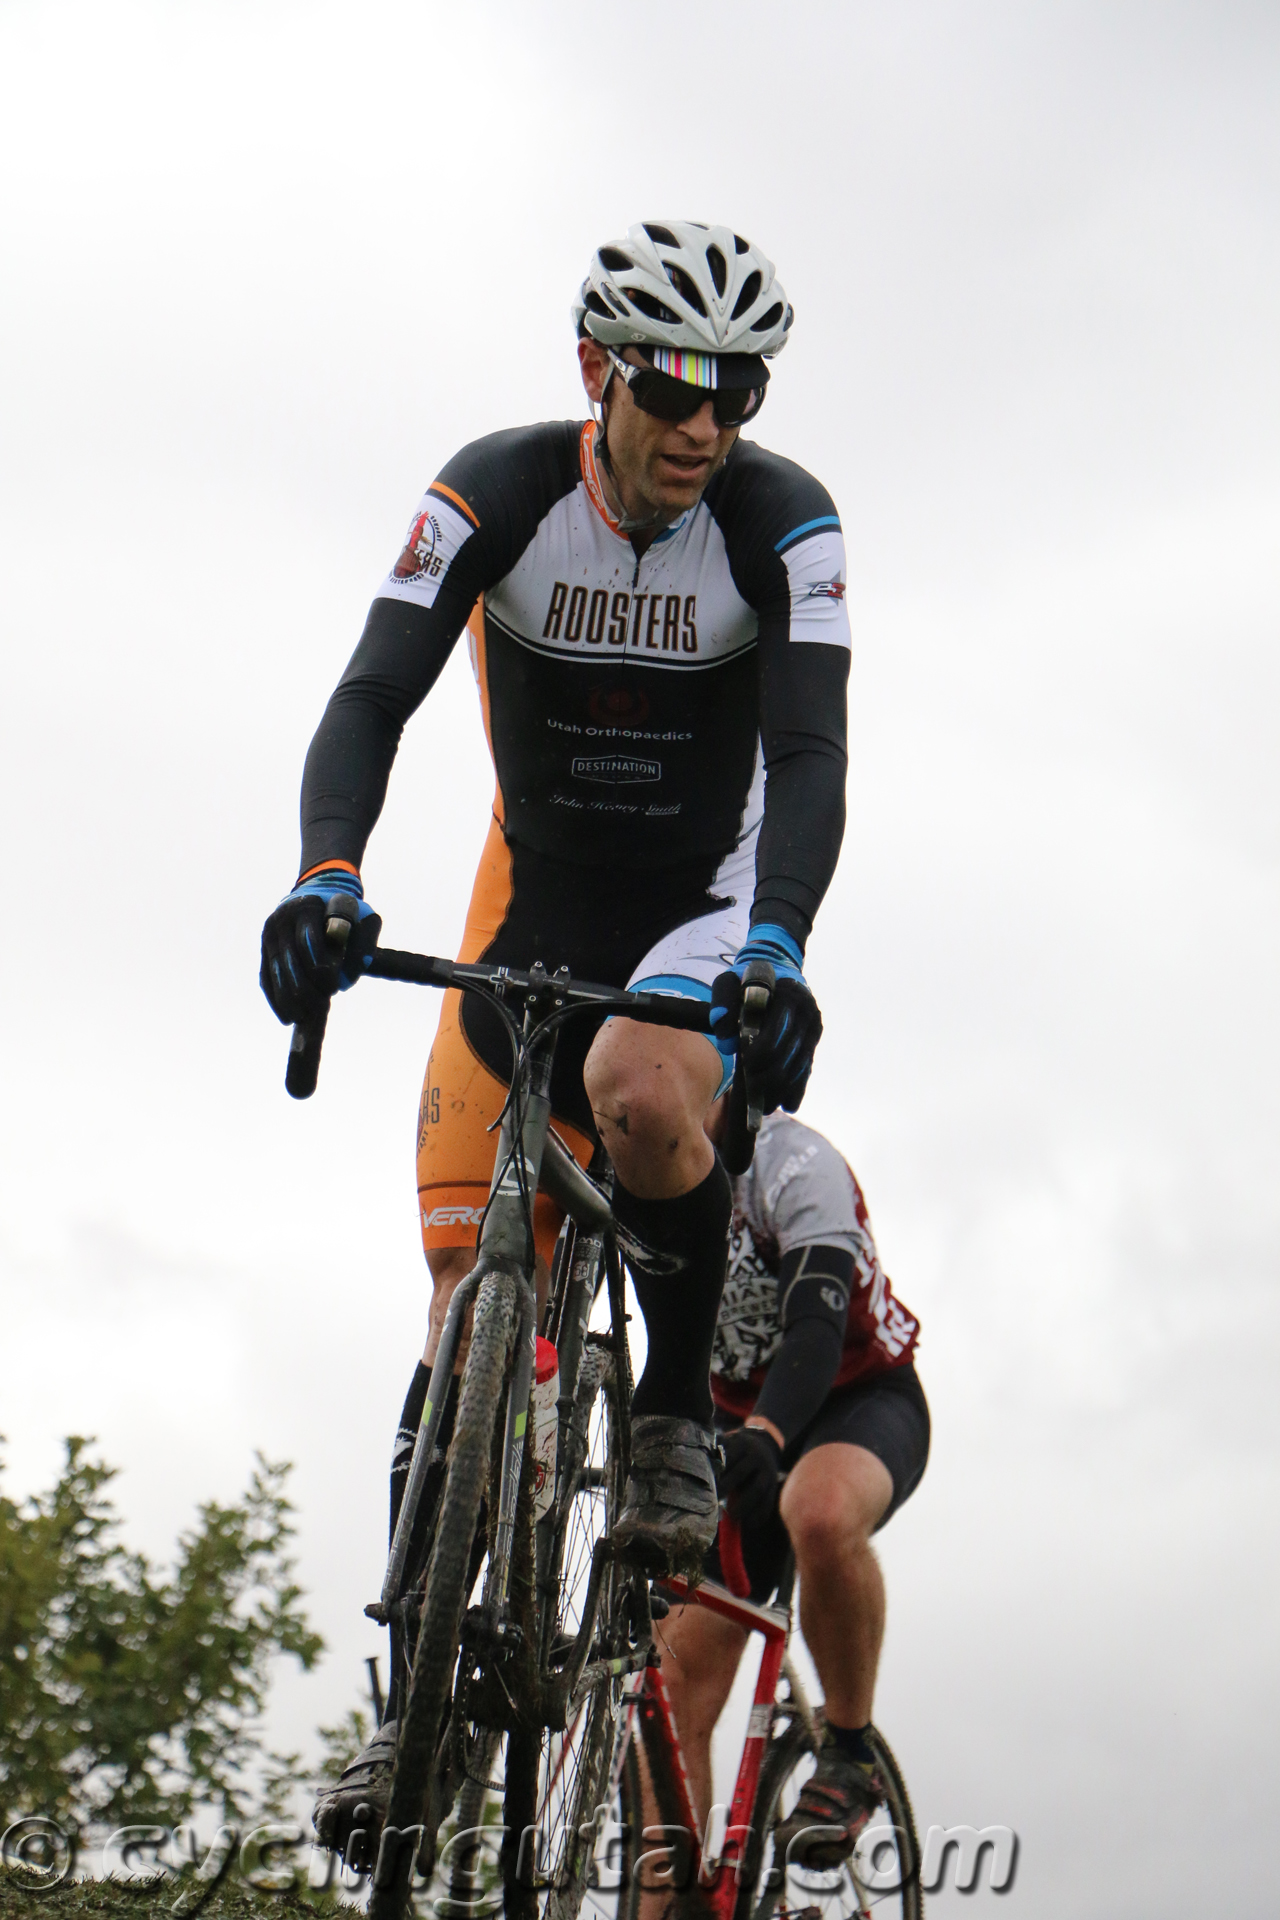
[(125, 1900)]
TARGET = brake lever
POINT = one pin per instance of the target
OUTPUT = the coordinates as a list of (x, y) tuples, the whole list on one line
[(758, 983), (743, 1118)]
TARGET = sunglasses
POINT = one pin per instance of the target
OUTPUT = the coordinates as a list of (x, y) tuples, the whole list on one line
[(675, 400)]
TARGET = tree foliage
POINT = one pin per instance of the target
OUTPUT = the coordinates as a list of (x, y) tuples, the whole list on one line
[(129, 1694)]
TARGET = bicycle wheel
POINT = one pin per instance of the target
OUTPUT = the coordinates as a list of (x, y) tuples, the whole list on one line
[(574, 1761), (469, 1865), (552, 1781), (447, 1582), (883, 1876), (614, 1888)]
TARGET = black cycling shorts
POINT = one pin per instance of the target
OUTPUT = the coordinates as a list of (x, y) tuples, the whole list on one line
[(888, 1415)]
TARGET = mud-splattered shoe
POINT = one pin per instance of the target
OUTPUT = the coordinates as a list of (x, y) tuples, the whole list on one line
[(670, 1509), (357, 1799), (835, 1805)]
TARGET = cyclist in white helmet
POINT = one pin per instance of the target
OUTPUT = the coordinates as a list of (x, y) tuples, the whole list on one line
[(659, 635)]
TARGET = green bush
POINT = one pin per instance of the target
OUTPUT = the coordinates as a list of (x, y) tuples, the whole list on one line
[(128, 1694)]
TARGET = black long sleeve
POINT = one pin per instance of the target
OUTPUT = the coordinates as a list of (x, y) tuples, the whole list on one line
[(802, 731), (814, 1284), (344, 781)]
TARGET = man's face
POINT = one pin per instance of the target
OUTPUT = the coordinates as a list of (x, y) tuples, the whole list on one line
[(662, 466)]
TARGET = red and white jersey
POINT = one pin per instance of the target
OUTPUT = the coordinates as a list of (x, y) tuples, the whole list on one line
[(800, 1192)]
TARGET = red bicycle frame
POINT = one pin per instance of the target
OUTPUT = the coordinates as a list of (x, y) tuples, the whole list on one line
[(717, 1887)]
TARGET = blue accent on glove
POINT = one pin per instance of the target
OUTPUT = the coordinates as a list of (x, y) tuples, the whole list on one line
[(325, 886), (780, 1058), (300, 968), (774, 944), (765, 942)]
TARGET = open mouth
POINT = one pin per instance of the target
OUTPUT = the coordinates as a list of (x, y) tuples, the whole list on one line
[(686, 466)]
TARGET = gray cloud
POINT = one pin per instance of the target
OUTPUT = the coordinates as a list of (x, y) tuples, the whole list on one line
[(266, 269)]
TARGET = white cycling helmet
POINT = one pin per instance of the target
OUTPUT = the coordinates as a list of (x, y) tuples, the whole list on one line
[(677, 283)]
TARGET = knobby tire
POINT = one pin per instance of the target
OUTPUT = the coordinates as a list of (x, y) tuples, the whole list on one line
[(447, 1580), (784, 1755), (554, 1779)]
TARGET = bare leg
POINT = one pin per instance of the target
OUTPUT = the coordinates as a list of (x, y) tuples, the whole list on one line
[(672, 1202), (830, 1505), (651, 1089), (700, 1658)]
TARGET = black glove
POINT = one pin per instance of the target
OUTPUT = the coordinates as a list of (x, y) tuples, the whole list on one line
[(749, 1477), (301, 970), (779, 1059)]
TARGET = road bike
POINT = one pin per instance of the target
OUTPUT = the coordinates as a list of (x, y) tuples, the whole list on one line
[(743, 1877), (528, 1640)]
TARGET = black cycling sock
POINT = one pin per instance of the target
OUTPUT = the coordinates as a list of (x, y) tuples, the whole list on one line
[(677, 1251), (401, 1459), (406, 1434), (853, 1741)]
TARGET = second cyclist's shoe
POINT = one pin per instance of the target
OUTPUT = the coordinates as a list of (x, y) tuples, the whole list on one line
[(356, 1802), (835, 1805), (670, 1509)]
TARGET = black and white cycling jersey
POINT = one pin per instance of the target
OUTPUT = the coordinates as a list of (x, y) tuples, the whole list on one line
[(680, 710)]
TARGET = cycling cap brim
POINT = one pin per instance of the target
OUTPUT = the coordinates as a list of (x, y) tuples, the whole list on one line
[(719, 370)]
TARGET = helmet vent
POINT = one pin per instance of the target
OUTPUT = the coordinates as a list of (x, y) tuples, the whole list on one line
[(768, 320), (749, 295), (742, 246), (652, 307), (719, 271), (615, 260), (686, 288), (594, 304), (661, 236)]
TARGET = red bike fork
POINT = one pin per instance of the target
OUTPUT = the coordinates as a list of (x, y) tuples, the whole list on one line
[(716, 1890)]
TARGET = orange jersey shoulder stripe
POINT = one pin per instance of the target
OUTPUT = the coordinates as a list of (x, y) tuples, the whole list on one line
[(438, 486)]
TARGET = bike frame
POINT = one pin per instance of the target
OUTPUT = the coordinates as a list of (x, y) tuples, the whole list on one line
[(529, 1154), (717, 1880)]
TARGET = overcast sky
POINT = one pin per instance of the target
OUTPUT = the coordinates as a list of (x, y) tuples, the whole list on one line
[(266, 266)]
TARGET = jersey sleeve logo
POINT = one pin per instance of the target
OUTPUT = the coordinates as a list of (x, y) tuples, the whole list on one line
[(438, 531), (419, 555), (813, 555)]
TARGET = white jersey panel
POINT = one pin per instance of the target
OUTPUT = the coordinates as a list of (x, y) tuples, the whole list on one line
[(701, 949), (578, 591), (816, 573), (436, 534)]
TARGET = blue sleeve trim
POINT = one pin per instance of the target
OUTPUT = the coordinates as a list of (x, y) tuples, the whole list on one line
[(827, 520), (673, 983)]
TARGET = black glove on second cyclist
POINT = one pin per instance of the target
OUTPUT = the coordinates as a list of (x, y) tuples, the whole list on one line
[(749, 1477), (301, 970), (779, 1059)]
